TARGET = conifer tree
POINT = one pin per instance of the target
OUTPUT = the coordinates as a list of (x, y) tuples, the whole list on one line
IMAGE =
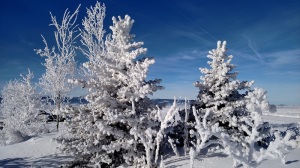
[(118, 126), (228, 114)]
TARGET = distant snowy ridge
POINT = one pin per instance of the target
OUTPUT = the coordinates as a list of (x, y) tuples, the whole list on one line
[(282, 115)]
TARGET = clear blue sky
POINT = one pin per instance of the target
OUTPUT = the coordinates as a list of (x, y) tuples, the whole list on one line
[(263, 37)]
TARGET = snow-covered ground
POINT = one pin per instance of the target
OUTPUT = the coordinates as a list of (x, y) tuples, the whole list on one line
[(42, 151), (220, 160), (284, 114), (35, 152)]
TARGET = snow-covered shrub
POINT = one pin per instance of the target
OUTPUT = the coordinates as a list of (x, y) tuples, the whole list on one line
[(119, 124), (59, 61), (174, 130), (14, 136), (163, 139), (228, 115), (20, 107)]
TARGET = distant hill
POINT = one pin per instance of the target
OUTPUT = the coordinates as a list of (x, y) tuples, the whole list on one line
[(73, 100), (82, 100)]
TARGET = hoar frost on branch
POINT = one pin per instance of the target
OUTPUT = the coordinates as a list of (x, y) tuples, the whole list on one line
[(60, 62), (20, 107), (228, 115), (119, 124)]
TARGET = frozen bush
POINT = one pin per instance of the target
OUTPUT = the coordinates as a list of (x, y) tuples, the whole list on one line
[(20, 106)]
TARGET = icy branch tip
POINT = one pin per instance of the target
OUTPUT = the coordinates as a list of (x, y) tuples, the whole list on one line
[(221, 45)]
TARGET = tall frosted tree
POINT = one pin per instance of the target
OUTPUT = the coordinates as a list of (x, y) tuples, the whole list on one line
[(228, 115), (119, 124), (59, 61)]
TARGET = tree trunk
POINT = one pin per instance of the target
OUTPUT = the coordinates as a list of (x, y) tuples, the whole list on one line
[(186, 131), (57, 122), (58, 101)]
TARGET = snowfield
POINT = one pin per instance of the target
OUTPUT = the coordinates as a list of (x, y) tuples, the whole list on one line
[(42, 151), (284, 114), (35, 152), (222, 161)]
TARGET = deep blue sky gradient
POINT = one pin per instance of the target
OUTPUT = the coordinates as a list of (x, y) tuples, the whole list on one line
[(263, 37)]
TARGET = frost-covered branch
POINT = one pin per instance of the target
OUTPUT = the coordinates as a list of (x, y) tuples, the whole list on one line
[(163, 125)]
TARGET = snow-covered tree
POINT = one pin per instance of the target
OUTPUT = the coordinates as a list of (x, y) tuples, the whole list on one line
[(20, 107), (59, 62), (119, 124), (228, 115)]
